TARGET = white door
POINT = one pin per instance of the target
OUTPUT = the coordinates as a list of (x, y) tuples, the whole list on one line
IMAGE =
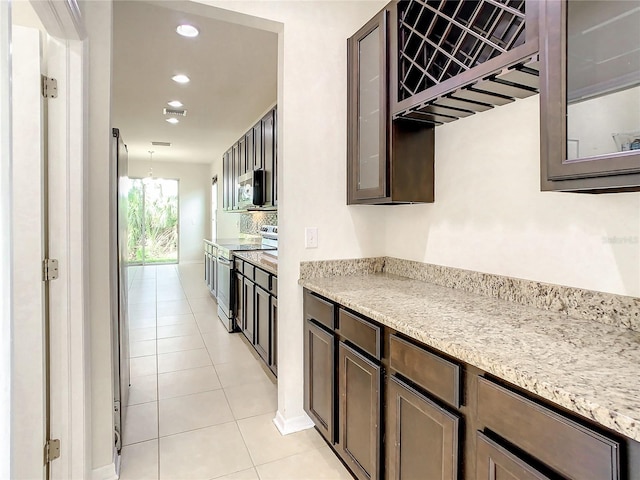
[(29, 373)]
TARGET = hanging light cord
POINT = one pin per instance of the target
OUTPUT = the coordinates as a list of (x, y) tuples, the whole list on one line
[(151, 152)]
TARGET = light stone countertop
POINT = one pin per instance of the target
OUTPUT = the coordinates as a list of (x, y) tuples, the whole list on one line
[(590, 368), (260, 259)]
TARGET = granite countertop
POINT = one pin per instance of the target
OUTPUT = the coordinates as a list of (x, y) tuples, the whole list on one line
[(260, 259), (590, 368)]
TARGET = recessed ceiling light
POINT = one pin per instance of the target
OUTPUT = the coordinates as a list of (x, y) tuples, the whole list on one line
[(180, 78), (187, 30), (175, 103), (172, 120)]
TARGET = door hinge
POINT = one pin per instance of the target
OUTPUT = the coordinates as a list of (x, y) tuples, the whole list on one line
[(51, 450), (49, 87), (49, 269)]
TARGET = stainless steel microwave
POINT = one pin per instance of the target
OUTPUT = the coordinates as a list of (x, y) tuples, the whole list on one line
[(250, 189)]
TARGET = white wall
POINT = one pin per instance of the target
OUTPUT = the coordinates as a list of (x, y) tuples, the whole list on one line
[(5, 234), (312, 102), (194, 202), (490, 216)]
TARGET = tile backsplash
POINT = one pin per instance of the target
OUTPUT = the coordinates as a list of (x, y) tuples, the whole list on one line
[(250, 223)]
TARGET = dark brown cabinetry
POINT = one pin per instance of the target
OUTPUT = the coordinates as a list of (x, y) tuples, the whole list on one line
[(437, 417), (262, 308), (239, 312), (422, 437), (387, 162), (256, 149), (256, 313), (359, 412), (319, 377), (249, 312), (273, 361), (270, 156), (450, 60), (210, 267), (590, 56), (494, 462)]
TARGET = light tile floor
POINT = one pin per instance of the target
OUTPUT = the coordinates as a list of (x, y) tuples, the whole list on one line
[(201, 405)]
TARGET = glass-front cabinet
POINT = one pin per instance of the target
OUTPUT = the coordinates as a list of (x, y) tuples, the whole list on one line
[(590, 95), (368, 110)]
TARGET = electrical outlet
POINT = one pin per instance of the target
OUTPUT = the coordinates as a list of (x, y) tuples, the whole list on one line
[(311, 237)]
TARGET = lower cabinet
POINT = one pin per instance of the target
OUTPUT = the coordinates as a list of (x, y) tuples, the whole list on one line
[(262, 311), (273, 361), (239, 312), (359, 412), (438, 418), (256, 312), (248, 310), (422, 437), (319, 378), (493, 462)]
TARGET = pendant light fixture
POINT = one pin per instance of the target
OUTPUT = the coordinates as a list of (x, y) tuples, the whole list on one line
[(150, 175)]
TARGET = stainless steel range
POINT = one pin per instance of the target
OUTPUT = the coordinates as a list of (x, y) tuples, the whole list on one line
[(224, 265)]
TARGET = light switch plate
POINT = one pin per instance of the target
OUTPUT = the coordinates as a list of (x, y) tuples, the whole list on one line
[(311, 237)]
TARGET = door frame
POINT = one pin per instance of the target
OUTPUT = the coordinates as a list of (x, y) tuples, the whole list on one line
[(70, 370)]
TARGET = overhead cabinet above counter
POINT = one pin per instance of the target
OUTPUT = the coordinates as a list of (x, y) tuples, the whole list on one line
[(250, 169), (419, 64)]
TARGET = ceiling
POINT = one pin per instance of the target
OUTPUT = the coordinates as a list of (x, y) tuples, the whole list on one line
[(233, 72)]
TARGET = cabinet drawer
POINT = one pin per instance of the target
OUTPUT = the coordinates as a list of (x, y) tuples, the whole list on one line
[(435, 374), (564, 445), (248, 270), (262, 278), (319, 310), (360, 332), (238, 264), (274, 286)]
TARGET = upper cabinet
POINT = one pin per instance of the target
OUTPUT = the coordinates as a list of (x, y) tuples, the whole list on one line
[(255, 150), (590, 95), (453, 59), (388, 162)]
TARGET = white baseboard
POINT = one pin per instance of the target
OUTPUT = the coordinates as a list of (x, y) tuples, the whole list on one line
[(108, 472), (292, 425), (191, 262)]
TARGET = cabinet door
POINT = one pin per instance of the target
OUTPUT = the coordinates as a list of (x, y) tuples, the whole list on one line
[(239, 301), (206, 267), (422, 438), (359, 413), (214, 272), (249, 315), (496, 463), (269, 154), (262, 309), (273, 364), (319, 400), (235, 160), (242, 156), (250, 152), (589, 138), (227, 174), (257, 146), (367, 105)]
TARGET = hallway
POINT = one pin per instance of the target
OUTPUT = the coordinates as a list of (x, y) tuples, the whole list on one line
[(201, 405)]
